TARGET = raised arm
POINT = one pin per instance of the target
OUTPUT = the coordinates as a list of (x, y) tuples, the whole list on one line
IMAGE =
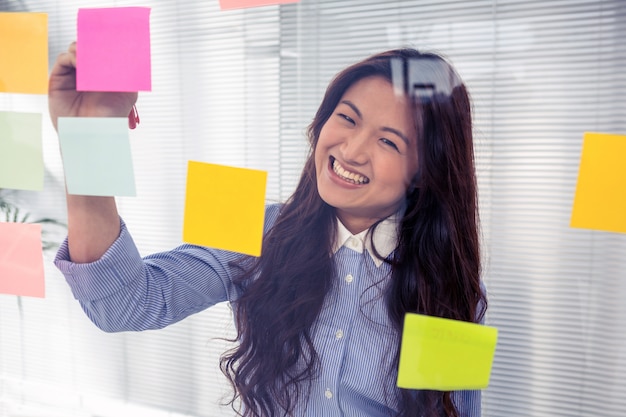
[(93, 222)]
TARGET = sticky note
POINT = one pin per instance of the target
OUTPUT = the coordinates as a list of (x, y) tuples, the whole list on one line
[(21, 260), (113, 49), (445, 355), (225, 207), (24, 53), (21, 152), (97, 156), (600, 198), (242, 4)]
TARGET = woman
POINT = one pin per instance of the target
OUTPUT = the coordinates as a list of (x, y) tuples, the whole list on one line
[(383, 222)]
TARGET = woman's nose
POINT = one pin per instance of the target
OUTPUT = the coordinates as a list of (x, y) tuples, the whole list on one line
[(354, 149)]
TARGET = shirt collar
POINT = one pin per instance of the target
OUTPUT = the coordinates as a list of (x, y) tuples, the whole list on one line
[(385, 239)]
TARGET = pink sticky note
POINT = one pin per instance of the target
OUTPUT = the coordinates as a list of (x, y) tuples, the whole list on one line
[(21, 260), (242, 4), (113, 49)]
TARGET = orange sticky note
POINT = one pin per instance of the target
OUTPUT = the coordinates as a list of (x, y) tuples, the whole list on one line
[(225, 207), (600, 199), (242, 4), (24, 53), (21, 260)]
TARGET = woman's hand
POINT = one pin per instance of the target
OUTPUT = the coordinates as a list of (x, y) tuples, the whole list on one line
[(65, 101), (93, 223)]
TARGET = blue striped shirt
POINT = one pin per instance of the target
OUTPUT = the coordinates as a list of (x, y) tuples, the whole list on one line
[(353, 335)]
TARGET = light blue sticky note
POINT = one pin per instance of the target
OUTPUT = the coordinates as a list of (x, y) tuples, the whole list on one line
[(21, 154), (96, 156)]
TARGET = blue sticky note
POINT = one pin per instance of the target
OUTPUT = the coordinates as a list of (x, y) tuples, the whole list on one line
[(96, 156), (21, 153)]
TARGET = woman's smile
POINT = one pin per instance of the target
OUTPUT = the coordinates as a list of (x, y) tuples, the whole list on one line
[(346, 175)]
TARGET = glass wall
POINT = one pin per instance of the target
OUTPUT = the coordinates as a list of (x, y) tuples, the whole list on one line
[(240, 87)]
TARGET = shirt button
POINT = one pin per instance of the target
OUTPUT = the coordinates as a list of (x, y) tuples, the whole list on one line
[(349, 278), (328, 394), (339, 334), (353, 242)]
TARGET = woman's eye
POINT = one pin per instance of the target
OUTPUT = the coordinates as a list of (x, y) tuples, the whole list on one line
[(389, 143), (346, 118)]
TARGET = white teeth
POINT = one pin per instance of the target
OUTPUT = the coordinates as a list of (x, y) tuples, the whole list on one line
[(349, 176)]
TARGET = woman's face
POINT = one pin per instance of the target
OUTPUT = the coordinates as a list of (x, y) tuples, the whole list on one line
[(366, 154)]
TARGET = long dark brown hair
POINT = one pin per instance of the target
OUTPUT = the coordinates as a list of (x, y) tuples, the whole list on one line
[(435, 268)]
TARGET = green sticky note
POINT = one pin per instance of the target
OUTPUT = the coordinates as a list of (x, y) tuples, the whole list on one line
[(21, 153), (600, 198), (97, 156), (445, 355), (225, 207)]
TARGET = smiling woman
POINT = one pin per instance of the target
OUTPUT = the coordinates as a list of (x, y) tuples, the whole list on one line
[(415, 249), (418, 249)]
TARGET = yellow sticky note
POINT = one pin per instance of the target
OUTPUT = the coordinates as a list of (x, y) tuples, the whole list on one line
[(24, 53), (445, 355), (600, 199), (225, 207)]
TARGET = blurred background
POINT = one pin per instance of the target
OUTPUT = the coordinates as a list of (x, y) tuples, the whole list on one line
[(240, 87)]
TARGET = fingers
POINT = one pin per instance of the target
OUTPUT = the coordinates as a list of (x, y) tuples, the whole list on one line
[(63, 74), (65, 63), (65, 101)]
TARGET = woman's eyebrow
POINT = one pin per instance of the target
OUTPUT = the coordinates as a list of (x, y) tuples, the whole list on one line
[(353, 107), (396, 132)]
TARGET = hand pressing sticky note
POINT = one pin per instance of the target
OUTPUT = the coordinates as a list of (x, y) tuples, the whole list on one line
[(24, 53), (600, 199), (242, 4), (445, 355), (225, 207), (96, 156), (21, 152), (21, 260), (113, 49)]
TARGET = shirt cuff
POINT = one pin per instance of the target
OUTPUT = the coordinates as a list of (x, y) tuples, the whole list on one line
[(117, 267)]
